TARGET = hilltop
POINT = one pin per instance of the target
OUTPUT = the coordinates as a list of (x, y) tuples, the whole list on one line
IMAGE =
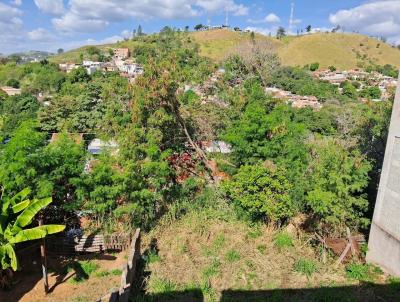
[(343, 50)]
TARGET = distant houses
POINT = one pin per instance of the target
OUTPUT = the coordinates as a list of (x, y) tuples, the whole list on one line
[(296, 101), (120, 63)]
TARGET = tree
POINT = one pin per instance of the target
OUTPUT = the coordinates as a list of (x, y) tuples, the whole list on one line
[(262, 192), (308, 28), (332, 68), (337, 179), (314, 66), (17, 213), (371, 92), (350, 91), (93, 50), (198, 27), (260, 59), (139, 31), (13, 83), (60, 51), (281, 32)]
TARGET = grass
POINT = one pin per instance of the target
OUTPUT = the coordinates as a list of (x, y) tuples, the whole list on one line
[(153, 257), (212, 269), (160, 285), (262, 248), (232, 256), (83, 270), (363, 272), (283, 240), (305, 266)]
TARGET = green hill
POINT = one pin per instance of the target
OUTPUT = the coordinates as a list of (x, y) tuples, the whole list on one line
[(345, 51)]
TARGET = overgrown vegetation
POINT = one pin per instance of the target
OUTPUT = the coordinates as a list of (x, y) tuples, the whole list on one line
[(282, 162)]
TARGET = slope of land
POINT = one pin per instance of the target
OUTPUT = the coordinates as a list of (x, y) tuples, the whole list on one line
[(219, 43), (345, 51), (203, 257)]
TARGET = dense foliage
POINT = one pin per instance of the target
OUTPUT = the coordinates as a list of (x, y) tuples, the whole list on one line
[(284, 161)]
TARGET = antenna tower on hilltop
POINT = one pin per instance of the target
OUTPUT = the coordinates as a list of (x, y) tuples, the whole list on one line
[(291, 18), (226, 16)]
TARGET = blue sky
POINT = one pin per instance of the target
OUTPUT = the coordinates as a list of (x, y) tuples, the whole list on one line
[(52, 24)]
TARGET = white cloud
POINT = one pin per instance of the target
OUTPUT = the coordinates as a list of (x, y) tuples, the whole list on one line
[(17, 2), (95, 15), (41, 35), (11, 26), (272, 18), (377, 18), (53, 7)]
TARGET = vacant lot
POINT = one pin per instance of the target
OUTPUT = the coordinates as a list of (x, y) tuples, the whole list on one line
[(217, 259)]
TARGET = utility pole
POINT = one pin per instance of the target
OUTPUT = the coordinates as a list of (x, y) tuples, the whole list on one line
[(44, 260)]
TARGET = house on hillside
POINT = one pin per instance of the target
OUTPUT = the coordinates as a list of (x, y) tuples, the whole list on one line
[(121, 53), (10, 91), (216, 147), (97, 146), (68, 67)]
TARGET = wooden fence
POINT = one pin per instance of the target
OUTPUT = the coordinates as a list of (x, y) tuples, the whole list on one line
[(66, 246), (128, 276)]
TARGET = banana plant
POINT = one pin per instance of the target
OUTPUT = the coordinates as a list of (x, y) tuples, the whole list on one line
[(17, 213)]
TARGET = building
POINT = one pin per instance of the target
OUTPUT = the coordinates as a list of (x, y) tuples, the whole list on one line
[(216, 147), (121, 53), (384, 236), (97, 146), (68, 67), (11, 90)]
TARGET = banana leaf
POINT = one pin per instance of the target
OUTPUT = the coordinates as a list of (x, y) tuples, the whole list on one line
[(29, 213), (36, 233), (20, 206)]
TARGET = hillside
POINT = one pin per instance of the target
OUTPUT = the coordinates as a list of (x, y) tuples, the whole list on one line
[(208, 255), (217, 44), (345, 51), (341, 50)]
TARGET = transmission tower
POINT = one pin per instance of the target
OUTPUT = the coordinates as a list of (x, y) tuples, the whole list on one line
[(291, 18)]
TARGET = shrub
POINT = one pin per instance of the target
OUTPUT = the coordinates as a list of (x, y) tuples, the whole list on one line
[(13, 83), (357, 271), (305, 267), (314, 66), (262, 248), (332, 68), (283, 240), (262, 192)]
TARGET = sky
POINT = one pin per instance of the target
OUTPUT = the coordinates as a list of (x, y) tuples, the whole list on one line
[(51, 24)]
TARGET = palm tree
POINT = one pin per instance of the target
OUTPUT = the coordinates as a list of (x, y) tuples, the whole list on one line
[(16, 213)]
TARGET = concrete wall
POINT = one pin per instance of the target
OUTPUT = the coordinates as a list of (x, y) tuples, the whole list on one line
[(384, 239)]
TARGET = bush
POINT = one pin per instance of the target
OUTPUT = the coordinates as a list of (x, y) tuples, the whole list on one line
[(357, 271), (305, 267), (332, 68), (13, 83), (314, 66), (262, 192)]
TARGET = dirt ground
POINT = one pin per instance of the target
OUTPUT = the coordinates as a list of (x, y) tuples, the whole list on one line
[(29, 286)]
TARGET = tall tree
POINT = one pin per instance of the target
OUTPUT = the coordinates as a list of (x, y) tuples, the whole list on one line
[(281, 32)]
